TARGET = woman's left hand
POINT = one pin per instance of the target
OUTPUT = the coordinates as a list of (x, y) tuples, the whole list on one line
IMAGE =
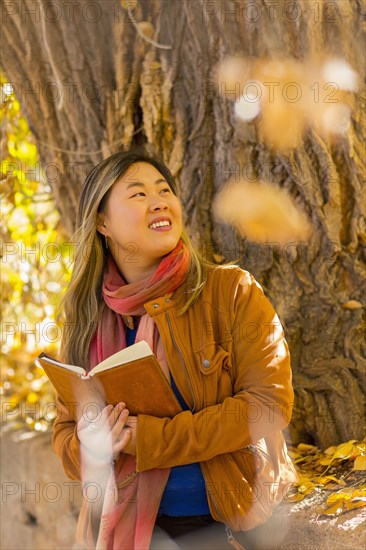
[(131, 424)]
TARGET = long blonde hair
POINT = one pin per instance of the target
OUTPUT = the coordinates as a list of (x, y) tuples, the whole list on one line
[(83, 298)]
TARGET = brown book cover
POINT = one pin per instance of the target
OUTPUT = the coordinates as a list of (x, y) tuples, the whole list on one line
[(132, 375)]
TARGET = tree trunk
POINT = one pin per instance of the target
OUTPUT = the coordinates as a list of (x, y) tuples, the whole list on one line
[(90, 85)]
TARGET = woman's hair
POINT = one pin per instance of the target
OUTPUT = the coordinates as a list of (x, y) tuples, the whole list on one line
[(83, 301)]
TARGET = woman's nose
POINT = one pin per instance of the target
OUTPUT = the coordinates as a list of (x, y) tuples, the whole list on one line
[(158, 204)]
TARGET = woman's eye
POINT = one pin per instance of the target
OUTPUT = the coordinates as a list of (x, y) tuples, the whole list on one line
[(137, 194), (166, 189)]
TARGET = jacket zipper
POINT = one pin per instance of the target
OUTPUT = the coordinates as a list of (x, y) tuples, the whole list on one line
[(182, 361), (229, 532), (230, 537)]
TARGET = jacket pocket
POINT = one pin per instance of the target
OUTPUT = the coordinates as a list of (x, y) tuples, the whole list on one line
[(214, 368), (212, 359)]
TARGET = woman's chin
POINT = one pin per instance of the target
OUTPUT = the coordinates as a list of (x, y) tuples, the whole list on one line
[(167, 247)]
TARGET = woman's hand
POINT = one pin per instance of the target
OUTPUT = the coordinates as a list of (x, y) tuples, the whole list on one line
[(106, 435), (130, 447)]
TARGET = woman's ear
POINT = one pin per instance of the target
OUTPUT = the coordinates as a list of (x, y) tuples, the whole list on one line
[(101, 226)]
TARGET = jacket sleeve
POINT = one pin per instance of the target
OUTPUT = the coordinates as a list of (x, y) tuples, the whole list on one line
[(262, 398), (65, 441)]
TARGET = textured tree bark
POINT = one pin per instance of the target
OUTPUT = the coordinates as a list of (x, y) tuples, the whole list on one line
[(90, 85)]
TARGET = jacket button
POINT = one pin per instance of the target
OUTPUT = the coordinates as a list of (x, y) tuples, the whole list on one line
[(155, 305), (167, 300), (206, 363)]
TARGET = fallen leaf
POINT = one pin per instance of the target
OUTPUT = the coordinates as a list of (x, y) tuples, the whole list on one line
[(325, 461), (360, 463), (295, 497), (306, 448), (352, 304), (333, 510), (304, 485), (341, 506), (346, 494), (331, 450), (355, 504), (293, 454), (360, 449), (326, 479), (344, 450)]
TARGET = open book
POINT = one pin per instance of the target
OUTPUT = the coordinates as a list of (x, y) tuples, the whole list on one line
[(132, 375)]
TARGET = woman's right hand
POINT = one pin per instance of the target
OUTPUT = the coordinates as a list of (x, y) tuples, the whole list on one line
[(105, 436)]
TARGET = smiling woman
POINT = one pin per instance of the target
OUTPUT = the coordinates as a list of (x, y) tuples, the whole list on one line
[(214, 467), (142, 211)]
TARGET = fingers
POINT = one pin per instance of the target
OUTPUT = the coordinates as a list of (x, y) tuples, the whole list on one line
[(122, 431), (119, 426), (113, 424), (122, 442), (119, 409)]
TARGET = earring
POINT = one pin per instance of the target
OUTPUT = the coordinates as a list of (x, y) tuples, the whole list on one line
[(106, 242)]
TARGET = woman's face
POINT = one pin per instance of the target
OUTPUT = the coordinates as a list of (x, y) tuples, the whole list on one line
[(143, 219)]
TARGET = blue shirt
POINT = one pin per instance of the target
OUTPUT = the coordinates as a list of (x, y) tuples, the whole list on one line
[(185, 491)]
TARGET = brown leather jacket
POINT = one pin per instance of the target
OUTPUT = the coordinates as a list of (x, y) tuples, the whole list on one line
[(231, 363)]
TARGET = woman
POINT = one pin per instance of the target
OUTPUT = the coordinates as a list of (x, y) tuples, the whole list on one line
[(222, 461)]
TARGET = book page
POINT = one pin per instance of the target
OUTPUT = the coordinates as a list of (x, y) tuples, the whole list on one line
[(126, 355), (49, 359)]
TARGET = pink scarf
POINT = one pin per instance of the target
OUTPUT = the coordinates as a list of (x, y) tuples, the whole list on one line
[(131, 500), (129, 299)]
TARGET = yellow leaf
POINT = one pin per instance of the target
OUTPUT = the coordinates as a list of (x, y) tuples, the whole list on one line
[(261, 211), (348, 493), (293, 454), (360, 463), (325, 461), (305, 485), (344, 450), (305, 448), (326, 479), (331, 450), (352, 304), (355, 504), (334, 509), (295, 497), (360, 449)]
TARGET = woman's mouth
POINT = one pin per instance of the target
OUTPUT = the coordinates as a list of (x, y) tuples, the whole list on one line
[(161, 226)]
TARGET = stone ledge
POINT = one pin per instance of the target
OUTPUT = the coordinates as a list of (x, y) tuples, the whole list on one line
[(40, 503), (41, 506)]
